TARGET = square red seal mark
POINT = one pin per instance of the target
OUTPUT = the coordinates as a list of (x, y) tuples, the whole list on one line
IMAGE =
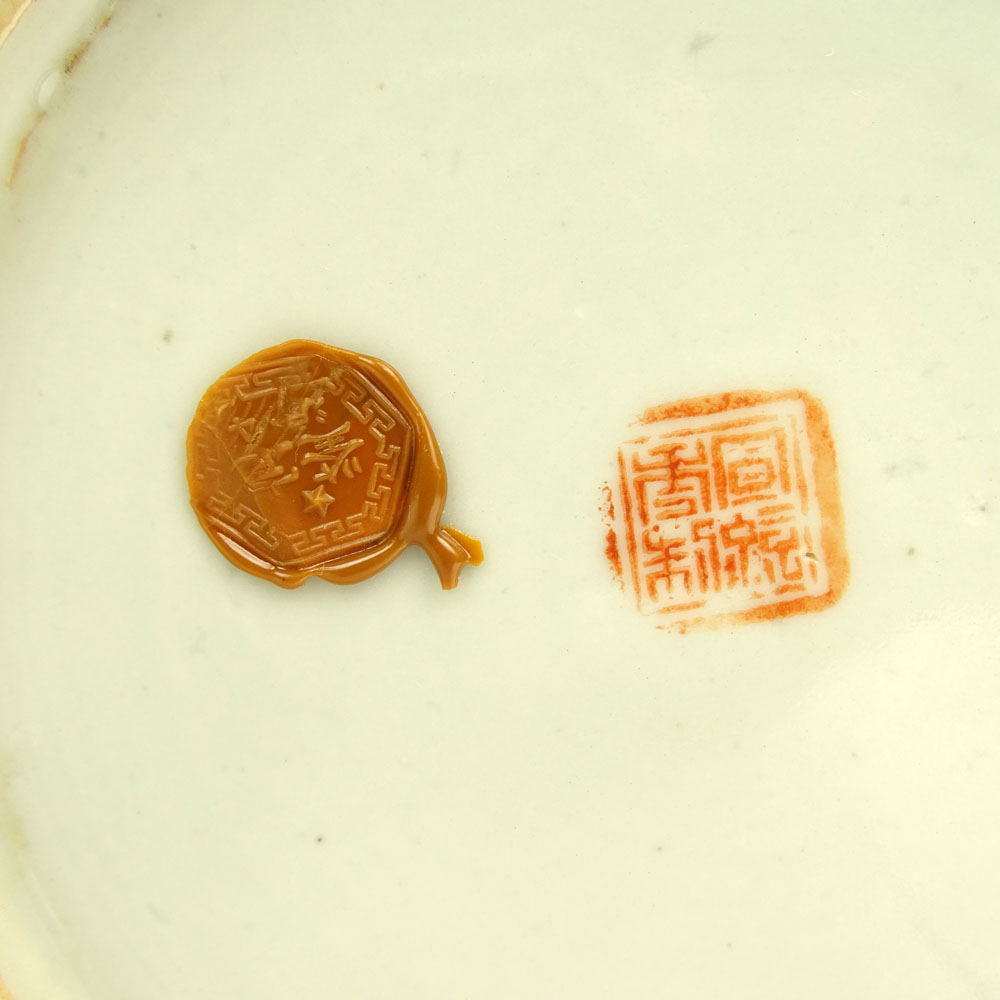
[(727, 508)]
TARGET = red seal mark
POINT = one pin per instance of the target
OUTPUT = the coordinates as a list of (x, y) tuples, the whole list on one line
[(726, 508)]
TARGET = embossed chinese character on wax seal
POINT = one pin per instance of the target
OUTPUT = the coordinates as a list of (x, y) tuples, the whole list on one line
[(309, 460)]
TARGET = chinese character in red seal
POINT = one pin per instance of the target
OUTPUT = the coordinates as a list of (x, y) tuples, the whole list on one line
[(726, 508)]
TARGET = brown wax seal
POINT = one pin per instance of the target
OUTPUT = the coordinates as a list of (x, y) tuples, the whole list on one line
[(309, 460)]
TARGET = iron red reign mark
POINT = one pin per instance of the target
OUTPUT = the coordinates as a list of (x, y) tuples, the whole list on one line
[(726, 508)]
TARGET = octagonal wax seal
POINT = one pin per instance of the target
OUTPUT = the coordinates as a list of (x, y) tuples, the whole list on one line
[(309, 460)]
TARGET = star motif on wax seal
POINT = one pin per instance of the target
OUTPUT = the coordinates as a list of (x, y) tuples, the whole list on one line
[(317, 500)]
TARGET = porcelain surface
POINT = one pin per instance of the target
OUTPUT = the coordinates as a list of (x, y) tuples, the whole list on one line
[(550, 216)]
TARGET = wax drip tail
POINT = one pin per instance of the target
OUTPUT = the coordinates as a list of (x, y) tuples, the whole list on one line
[(450, 549)]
